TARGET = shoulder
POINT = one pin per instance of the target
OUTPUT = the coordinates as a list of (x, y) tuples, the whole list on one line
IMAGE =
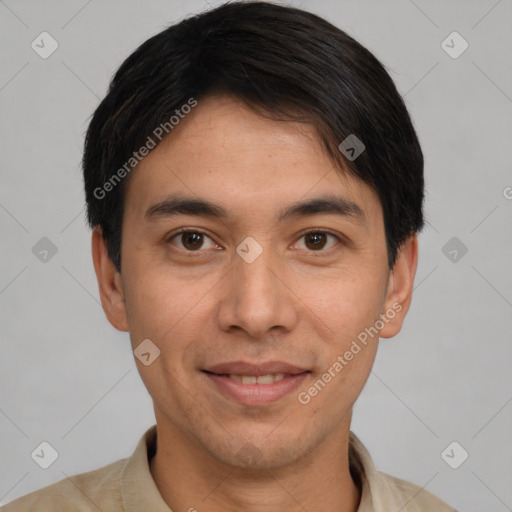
[(412, 497), (84, 492)]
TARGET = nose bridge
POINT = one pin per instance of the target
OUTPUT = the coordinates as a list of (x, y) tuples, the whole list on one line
[(258, 300), (255, 271)]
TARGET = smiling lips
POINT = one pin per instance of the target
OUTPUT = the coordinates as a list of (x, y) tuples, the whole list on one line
[(256, 384)]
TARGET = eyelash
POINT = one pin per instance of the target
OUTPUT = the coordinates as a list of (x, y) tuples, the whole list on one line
[(320, 252)]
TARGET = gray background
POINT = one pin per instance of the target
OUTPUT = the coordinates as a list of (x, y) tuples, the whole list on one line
[(67, 377)]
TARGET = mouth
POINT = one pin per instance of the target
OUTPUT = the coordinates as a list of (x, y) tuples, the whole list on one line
[(256, 384)]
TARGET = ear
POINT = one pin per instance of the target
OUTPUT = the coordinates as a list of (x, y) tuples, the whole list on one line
[(400, 286), (109, 282)]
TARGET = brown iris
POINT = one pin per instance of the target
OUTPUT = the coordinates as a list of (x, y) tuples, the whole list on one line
[(317, 240), (192, 240)]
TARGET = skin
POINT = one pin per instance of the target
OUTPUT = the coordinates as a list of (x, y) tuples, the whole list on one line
[(297, 302)]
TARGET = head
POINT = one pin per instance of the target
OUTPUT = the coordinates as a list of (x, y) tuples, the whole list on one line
[(219, 126)]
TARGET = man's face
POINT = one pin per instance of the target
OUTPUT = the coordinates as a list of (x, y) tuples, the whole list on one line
[(251, 286)]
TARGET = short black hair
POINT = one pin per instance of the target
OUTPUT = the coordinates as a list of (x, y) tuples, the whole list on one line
[(283, 62)]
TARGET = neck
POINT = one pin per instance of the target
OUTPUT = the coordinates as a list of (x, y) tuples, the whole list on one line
[(189, 478)]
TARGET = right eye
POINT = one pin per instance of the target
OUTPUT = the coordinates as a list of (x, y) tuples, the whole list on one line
[(189, 240)]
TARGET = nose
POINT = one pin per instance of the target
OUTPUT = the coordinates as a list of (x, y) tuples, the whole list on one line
[(256, 296)]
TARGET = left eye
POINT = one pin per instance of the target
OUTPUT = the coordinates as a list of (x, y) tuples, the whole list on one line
[(316, 240)]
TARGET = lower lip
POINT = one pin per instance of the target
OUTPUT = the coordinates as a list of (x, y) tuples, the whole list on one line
[(257, 394)]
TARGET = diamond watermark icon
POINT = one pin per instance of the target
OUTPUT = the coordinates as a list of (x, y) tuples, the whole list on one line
[(454, 455), (249, 249), (44, 455), (351, 147), (454, 249), (44, 250), (44, 45), (249, 454), (146, 352), (454, 45)]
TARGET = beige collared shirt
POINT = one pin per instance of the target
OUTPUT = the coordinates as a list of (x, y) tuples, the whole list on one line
[(127, 486)]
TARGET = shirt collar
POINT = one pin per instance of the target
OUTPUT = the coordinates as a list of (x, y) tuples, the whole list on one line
[(366, 476), (138, 489)]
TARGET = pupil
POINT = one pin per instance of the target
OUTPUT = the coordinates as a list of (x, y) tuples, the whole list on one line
[(318, 239), (192, 240)]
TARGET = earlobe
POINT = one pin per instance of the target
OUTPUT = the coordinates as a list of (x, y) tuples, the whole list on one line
[(110, 283), (400, 287)]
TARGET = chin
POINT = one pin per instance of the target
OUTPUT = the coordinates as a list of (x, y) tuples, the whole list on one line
[(268, 457)]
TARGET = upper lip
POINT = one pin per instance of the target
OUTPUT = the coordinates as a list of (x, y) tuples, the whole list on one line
[(255, 369)]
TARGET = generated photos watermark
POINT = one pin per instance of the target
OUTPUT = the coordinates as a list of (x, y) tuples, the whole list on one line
[(158, 133), (304, 397)]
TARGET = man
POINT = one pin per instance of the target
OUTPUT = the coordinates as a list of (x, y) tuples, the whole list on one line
[(255, 186)]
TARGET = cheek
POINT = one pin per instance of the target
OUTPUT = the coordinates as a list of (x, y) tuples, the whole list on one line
[(343, 311), (166, 311), (163, 307), (342, 305)]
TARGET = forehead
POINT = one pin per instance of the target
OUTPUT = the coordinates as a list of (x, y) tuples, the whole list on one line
[(223, 151)]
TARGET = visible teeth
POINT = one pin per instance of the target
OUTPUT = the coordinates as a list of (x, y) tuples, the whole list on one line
[(262, 379)]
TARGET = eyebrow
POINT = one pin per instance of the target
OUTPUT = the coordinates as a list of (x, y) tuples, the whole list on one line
[(325, 204)]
